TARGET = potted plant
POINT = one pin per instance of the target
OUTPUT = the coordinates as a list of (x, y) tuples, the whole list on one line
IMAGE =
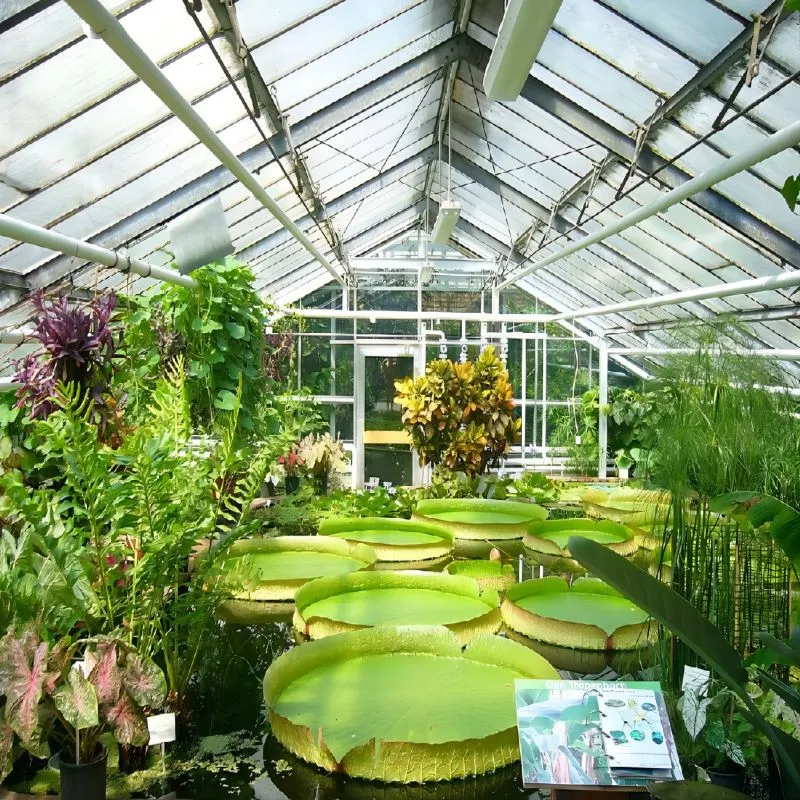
[(722, 741), (291, 465), (49, 696), (322, 456), (624, 462)]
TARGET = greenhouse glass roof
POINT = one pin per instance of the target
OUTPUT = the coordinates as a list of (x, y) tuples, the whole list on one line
[(354, 140)]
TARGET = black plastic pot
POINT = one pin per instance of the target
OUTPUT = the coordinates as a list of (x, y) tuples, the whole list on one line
[(728, 779), (291, 483), (83, 781)]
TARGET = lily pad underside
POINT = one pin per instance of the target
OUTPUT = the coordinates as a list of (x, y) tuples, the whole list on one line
[(274, 569), (477, 518), (405, 705), (349, 602), (393, 540), (590, 615), (546, 542), (488, 574)]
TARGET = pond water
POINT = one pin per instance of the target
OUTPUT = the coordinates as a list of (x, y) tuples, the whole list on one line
[(229, 720)]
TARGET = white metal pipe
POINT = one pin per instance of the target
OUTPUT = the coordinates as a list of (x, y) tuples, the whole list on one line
[(50, 240), (106, 26), (750, 286), (784, 138), (774, 353), (9, 385), (335, 313)]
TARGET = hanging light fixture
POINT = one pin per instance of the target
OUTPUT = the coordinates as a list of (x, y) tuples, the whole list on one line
[(520, 38), (449, 211)]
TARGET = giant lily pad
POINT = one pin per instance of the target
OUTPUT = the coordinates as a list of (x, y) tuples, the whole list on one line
[(637, 507), (258, 570), (367, 599), (590, 615), (399, 543), (546, 541), (480, 519), (488, 574), (401, 705)]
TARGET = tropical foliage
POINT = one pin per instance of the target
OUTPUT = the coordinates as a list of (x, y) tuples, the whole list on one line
[(460, 415)]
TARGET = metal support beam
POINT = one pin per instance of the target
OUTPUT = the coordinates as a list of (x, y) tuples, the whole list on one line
[(108, 28), (600, 131), (792, 354), (224, 11), (704, 77), (161, 211), (348, 199), (785, 138), (562, 225), (461, 16)]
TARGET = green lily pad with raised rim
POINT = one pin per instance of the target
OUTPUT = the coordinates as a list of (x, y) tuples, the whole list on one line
[(405, 705), (257, 570), (488, 574), (545, 542), (368, 599), (480, 519), (589, 615), (637, 507), (395, 541)]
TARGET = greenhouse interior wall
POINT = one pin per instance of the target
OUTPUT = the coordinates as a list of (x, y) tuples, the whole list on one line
[(400, 399)]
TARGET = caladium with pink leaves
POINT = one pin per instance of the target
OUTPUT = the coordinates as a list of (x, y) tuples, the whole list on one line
[(44, 692)]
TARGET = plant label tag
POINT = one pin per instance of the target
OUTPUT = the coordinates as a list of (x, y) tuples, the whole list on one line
[(696, 679), (83, 667), (162, 728)]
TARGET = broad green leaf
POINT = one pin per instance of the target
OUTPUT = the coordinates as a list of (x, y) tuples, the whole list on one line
[(791, 5), (144, 680), (789, 694), (762, 509), (430, 675), (791, 188), (76, 700), (236, 330), (665, 605), (225, 400), (127, 721), (774, 651), (23, 664)]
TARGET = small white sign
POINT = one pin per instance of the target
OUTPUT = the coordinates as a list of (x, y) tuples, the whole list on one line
[(696, 679), (162, 728)]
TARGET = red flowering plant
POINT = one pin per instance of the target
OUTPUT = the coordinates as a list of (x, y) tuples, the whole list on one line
[(79, 345), (291, 463)]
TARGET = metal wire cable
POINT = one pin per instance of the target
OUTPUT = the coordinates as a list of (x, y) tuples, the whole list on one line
[(649, 176), (394, 146), (207, 39)]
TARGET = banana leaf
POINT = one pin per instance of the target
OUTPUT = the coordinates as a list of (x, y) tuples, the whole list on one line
[(761, 509)]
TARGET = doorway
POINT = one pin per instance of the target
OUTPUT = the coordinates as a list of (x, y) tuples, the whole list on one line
[(382, 448)]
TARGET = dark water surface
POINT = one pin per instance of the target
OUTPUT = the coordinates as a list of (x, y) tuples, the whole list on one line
[(229, 712)]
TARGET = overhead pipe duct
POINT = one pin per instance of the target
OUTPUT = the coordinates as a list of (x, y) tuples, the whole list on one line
[(657, 352), (9, 385), (783, 139), (106, 26), (42, 237), (336, 313), (14, 337), (522, 32), (785, 280)]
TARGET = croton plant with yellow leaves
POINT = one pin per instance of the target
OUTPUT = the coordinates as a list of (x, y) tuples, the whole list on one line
[(460, 415)]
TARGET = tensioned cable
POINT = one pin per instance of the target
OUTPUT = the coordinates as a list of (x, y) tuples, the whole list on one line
[(494, 171), (199, 25), (394, 146), (649, 176)]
